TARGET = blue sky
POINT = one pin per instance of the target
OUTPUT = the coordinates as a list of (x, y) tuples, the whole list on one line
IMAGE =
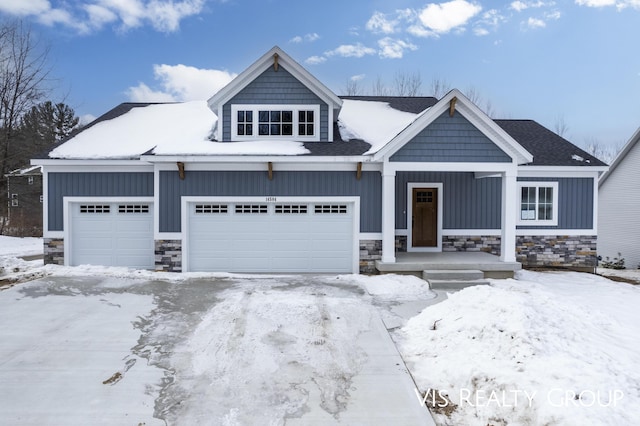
[(578, 60)]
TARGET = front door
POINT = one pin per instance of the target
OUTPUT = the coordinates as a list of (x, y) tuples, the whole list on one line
[(425, 217)]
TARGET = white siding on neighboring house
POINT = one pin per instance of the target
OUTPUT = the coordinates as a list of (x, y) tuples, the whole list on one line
[(619, 207)]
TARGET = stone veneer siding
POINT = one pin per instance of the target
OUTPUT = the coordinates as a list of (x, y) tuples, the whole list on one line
[(168, 255), (53, 251), (557, 250), (488, 244), (370, 251)]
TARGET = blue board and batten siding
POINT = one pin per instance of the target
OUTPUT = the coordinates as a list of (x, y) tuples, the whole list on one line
[(273, 87), (135, 184), (468, 203), (257, 184), (451, 139), (575, 203)]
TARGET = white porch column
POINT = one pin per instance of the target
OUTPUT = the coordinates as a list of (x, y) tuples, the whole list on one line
[(388, 215), (509, 209)]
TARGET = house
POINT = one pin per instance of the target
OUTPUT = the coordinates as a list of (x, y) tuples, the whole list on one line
[(618, 218), (276, 173), (24, 205)]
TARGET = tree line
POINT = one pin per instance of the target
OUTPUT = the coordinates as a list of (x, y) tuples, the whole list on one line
[(29, 122)]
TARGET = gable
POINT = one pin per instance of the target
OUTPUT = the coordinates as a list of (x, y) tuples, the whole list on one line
[(275, 88), (450, 139)]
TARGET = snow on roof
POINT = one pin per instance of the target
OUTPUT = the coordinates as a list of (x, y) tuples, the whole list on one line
[(164, 129), (374, 122), (185, 129), (25, 171)]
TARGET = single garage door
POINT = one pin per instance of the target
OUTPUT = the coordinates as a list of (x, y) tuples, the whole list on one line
[(112, 234), (271, 237)]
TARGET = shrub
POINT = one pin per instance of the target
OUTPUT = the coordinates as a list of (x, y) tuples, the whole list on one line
[(615, 263)]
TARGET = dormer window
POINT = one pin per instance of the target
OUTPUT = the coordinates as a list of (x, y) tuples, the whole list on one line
[(296, 122)]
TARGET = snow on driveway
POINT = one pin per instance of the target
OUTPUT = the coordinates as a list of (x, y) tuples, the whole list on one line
[(227, 350)]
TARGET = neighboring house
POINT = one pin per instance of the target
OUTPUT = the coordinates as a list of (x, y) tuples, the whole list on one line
[(24, 194), (276, 173), (619, 206)]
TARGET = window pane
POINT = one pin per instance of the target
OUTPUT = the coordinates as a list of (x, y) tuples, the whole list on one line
[(275, 116), (309, 129), (301, 128), (248, 116), (249, 130), (310, 116), (263, 129), (287, 116), (545, 195), (240, 129), (545, 212), (263, 116), (287, 129), (275, 129), (240, 116), (301, 116)]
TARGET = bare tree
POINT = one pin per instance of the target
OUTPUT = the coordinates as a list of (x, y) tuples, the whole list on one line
[(476, 97), (353, 87), (378, 88), (406, 84), (439, 87), (560, 126), (606, 153), (23, 77)]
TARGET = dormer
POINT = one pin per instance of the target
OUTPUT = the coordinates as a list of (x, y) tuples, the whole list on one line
[(275, 98)]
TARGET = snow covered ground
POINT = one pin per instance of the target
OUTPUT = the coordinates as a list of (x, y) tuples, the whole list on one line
[(552, 348), (547, 348)]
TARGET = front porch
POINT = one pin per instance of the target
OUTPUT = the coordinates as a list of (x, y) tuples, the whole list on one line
[(415, 263)]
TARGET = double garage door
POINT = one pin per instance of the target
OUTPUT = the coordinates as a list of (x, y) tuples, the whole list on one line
[(291, 237), (271, 237), (112, 234)]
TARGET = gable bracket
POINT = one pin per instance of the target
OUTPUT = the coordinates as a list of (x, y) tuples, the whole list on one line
[(180, 169), (452, 106), (270, 165), (359, 171), (275, 62)]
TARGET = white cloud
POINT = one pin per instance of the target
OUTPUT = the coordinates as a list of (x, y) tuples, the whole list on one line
[(315, 60), (535, 23), (86, 119), (444, 17), (181, 83), (519, 6), (311, 37), (357, 77), (25, 7), (394, 49), (490, 19), (378, 23), (357, 50), (596, 3), (162, 15), (556, 14)]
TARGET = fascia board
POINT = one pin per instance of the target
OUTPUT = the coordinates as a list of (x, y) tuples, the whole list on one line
[(225, 94), (469, 111)]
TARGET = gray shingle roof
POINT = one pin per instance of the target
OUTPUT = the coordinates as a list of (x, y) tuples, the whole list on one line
[(547, 148)]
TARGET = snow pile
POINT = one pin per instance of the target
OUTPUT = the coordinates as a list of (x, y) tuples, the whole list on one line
[(374, 122), (545, 349), (14, 246), (393, 288)]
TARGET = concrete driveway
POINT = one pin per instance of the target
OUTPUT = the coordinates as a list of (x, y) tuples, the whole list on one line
[(218, 351)]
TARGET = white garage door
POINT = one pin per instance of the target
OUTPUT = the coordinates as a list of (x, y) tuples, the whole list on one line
[(271, 237), (112, 234)]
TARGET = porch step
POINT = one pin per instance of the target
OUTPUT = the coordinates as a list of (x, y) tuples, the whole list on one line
[(453, 279), (451, 274)]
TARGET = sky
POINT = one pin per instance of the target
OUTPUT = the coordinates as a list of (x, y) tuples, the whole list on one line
[(572, 63)]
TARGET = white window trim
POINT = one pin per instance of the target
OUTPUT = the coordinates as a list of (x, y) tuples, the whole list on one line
[(537, 222), (274, 107)]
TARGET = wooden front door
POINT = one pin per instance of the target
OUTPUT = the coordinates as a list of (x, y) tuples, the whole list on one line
[(425, 217)]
